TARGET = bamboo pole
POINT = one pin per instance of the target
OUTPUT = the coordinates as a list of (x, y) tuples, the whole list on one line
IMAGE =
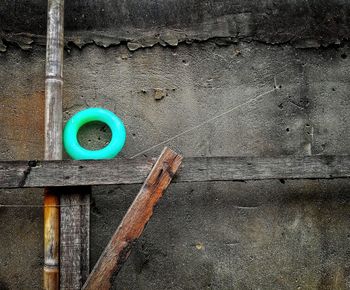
[(53, 137)]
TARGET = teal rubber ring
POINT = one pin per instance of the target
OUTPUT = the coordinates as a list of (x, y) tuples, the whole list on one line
[(70, 134)]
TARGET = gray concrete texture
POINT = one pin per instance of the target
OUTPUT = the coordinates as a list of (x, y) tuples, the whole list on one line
[(219, 235)]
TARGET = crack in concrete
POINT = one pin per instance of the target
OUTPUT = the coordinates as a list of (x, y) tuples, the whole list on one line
[(31, 164)]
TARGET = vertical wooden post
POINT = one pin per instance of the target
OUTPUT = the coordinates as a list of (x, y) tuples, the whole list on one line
[(53, 137), (75, 237)]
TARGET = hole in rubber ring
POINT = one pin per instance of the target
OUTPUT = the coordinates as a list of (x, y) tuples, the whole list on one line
[(94, 135)]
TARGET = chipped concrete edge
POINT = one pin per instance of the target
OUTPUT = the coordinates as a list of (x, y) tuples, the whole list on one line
[(147, 39)]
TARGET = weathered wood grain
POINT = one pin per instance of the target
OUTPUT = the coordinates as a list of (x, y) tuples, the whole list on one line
[(16, 174), (53, 137), (134, 221), (75, 237)]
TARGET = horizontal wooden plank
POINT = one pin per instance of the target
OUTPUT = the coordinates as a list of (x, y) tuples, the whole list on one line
[(17, 174)]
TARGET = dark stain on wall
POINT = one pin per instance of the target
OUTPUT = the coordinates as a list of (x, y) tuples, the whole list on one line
[(145, 23)]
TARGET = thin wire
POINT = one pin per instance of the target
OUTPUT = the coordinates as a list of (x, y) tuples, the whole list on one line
[(206, 121), (152, 147)]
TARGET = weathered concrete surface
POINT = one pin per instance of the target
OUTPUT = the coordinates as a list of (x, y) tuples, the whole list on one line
[(218, 235), (143, 23), (255, 235)]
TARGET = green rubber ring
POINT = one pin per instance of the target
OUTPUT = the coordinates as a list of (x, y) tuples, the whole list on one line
[(70, 134)]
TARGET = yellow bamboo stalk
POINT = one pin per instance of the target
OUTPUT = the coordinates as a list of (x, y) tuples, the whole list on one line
[(53, 137), (51, 239)]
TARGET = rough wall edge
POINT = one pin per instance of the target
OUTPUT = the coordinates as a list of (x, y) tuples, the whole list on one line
[(139, 24), (25, 41)]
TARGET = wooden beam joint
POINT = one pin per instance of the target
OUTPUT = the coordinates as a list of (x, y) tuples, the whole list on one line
[(130, 229)]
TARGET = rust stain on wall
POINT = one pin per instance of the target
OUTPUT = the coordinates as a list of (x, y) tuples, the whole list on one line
[(22, 125)]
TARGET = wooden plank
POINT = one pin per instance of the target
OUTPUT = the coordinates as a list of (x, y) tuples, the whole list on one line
[(75, 238), (134, 221), (16, 174), (53, 137)]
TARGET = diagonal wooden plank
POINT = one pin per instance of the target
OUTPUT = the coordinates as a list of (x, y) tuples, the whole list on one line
[(17, 174), (134, 221)]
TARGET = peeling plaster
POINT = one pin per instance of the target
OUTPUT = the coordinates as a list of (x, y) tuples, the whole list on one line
[(26, 41)]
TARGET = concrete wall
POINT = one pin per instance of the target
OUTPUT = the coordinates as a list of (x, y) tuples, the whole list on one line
[(163, 67)]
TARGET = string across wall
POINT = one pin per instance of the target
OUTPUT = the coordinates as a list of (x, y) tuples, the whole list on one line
[(201, 124)]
